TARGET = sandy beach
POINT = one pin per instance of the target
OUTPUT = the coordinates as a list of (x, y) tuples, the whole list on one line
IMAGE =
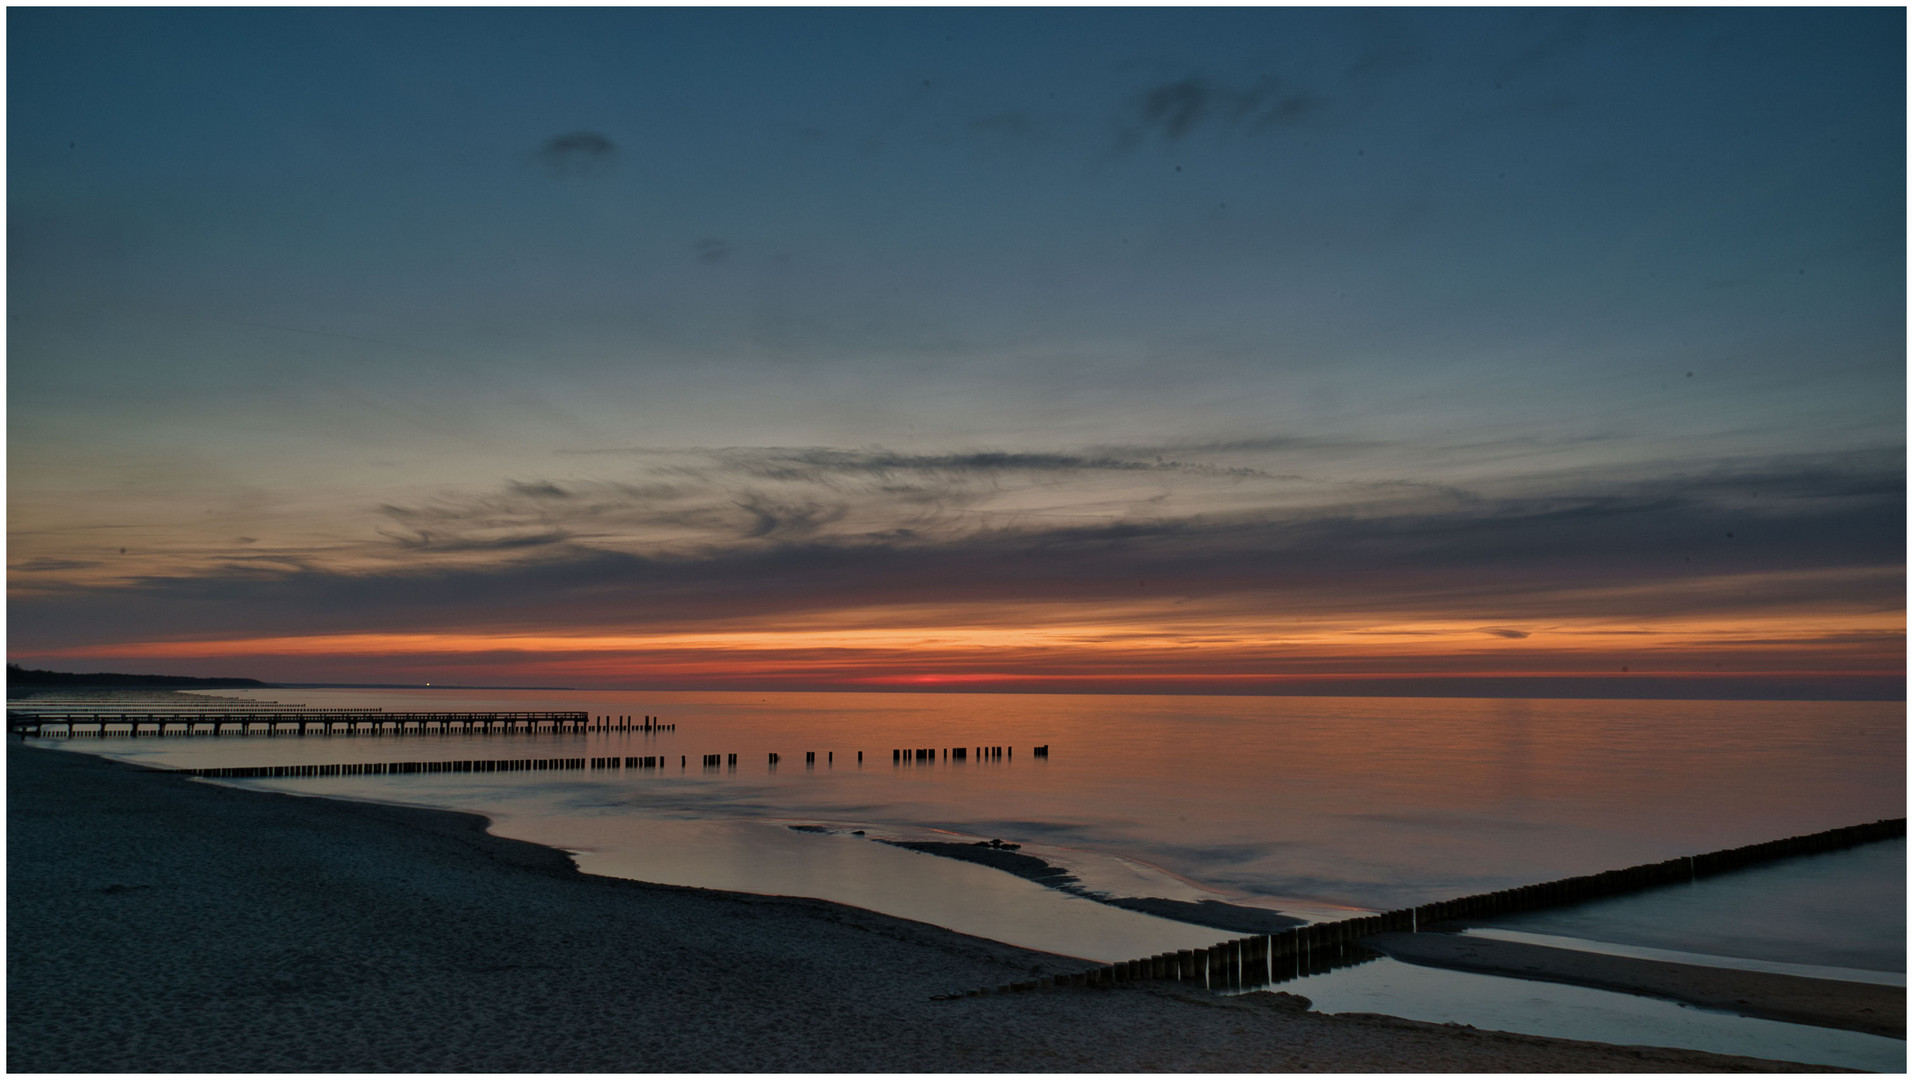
[(159, 924)]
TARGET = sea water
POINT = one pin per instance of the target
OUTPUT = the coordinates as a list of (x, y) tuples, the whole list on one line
[(1312, 806)]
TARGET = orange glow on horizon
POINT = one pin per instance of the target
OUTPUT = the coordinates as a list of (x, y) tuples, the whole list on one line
[(1217, 649)]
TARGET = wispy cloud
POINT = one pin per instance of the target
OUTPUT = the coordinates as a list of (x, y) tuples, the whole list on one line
[(549, 553), (579, 153), (1226, 561), (48, 565), (1171, 111)]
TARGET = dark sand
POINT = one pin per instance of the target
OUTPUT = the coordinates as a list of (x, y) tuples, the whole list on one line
[(159, 924), (1212, 913), (1876, 1010)]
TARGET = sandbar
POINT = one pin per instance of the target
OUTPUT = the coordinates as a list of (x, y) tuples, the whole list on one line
[(162, 924), (1216, 914), (1865, 1007)]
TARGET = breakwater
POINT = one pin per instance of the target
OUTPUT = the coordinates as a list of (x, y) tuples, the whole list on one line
[(402, 768), (931, 755), (1269, 959), (399, 768)]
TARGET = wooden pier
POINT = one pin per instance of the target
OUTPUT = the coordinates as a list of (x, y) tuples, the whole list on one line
[(92, 723), (94, 718), (629, 723), (1266, 960)]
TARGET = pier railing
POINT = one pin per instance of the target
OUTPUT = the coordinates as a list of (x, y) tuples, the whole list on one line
[(1270, 959)]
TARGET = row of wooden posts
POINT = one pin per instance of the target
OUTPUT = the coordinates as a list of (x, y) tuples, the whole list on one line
[(962, 753), (1241, 964), (1308, 950), (810, 757), (395, 768), (629, 723)]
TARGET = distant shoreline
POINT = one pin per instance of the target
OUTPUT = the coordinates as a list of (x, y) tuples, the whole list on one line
[(19, 678), (1638, 687), (26, 679)]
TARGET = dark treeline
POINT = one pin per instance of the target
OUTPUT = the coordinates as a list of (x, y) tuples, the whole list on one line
[(18, 676)]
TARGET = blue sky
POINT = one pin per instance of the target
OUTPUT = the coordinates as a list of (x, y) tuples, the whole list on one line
[(308, 300)]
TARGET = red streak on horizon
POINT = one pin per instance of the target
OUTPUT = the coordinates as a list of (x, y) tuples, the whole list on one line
[(1224, 653)]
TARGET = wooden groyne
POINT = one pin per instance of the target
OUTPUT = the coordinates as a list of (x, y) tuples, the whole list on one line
[(1269, 959), (398, 768), (918, 755), (406, 768)]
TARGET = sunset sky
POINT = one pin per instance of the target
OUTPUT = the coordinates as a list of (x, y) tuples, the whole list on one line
[(1237, 350)]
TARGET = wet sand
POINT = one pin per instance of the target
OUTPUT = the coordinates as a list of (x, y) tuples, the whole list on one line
[(1212, 913), (159, 924), (1865, 1007)]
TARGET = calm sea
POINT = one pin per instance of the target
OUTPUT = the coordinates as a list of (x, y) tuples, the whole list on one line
[(1302, 804), (1310, 806)]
